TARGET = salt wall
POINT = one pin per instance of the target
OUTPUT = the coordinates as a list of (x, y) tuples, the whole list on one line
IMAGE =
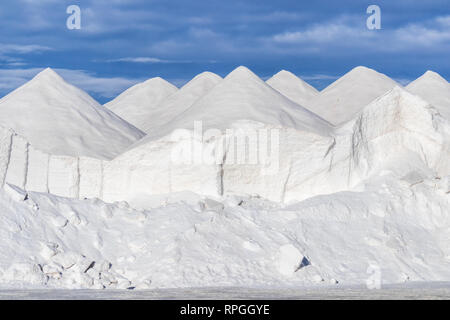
[(398, 133), (131, 175), (148, 169)]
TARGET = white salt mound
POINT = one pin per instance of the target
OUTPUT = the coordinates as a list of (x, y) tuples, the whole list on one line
[(180, 101), (434, 89), (60, 119), (400, 229), (344, 98), (242, 95), (292, 87), (138, 104)]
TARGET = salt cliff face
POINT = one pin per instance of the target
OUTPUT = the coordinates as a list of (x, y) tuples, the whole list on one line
[(402, 133), (145, 171), (24, 166), (399, 134), (5, 152)]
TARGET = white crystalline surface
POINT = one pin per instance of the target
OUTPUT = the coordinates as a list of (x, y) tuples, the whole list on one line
[(138, 105), (293, 87), (61, 119), (366, 202), (180, 101), (344, 98), (51, 241), (434, 89), (242, 95)]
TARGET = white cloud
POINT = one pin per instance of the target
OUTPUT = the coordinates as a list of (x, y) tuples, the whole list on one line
[(11, 79), (351, 33), (345, 27), (147, 60), (139, 60), (320, 77), (23, 49), (6, 50), (103, 86), (106, 18), (428, 34), (444, 21), (276, 16)]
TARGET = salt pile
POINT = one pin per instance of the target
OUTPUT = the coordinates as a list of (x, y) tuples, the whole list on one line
[(292, 87), (242, 95), (367, 200), (60, 119), (434, 89), (180, 101), (138, 104), (344, 98), (391, 232)]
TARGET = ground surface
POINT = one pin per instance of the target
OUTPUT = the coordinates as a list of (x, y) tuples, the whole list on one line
[(410, 291)]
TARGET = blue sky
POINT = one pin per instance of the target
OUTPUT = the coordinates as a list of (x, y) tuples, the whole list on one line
[(122, 42)]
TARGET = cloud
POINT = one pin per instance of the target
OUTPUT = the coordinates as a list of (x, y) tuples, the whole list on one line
[(39, 2), (322, 34), (320, 77), (107, 18), (427, 34), (146, 60), (10, 62), (349, 32), (329, 31), (107, 87), (6, 50), (138, 38), (23, 49), (139, 60), (13, 78), (275, 16), (200, 42)]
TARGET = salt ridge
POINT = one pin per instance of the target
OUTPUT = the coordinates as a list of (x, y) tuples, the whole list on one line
[(180, 101), (61, 119), (344, 98), (435, 89), (138, 104), (292, 87)]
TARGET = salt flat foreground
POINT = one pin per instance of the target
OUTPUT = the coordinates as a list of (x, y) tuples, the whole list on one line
[(410, 291)]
